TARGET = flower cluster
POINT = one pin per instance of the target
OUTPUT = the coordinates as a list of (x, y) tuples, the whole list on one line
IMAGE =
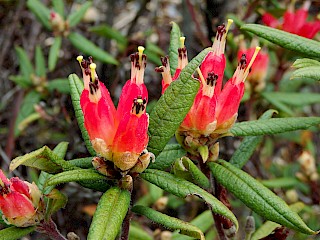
[(20, 202), (214, 110), (294, 22), (117, 135)]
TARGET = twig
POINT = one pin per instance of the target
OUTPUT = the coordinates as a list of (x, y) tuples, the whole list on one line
[(126, 226), (50, 229)]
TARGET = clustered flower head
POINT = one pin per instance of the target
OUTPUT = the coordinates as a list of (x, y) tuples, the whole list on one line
[(214, 110), (20, 202), (258, 73), (294, 21), (117, 135)]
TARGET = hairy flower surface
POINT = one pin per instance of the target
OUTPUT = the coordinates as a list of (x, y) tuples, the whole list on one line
[(118, 135), (215, 108), (294, 21), (20, 201)]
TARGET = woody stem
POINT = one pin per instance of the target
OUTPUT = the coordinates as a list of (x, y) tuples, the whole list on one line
[(50, 229)]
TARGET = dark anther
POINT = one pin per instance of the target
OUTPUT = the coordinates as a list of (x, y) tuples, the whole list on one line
[(164, 61), (94, 86), (159, 69), (5, 189), (212, 79), (243, 61), (220, 31), (90, 59), (132, 57), (139, 105), (182, 52)]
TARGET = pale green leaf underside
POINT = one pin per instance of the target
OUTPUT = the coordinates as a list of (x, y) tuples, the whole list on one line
[(75, 17), (169, 222), (307, 72), (173, 47), (13, 233), (257, 197), (305, 62), (182, 188)]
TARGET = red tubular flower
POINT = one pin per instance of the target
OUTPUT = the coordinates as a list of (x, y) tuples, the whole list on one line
[(118, 135), (294, 22), (259, 71), (214, 109), (20, 201)]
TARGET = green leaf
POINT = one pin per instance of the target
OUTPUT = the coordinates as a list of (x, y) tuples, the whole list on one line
[(285, 182), (25, 64), (169, 154), (307, 72), (109, 32), (40, 11), (305, 62), (13, 233), (54, 53), (293, 42), (257, 197), (74, 176), (75, 17), (58, 6), (204, 222), (183, 188), (56, 200), (111, 211), (43, 159), (136, 233), (26, 109), (169, 222), (173, 106), (186, 169), (40, 62), (20, 80), (60, 150), (89, 48), (82, 162), (269, 226), (62, 85), (173, 47), (249, 144), (76, 87), (273, 126)]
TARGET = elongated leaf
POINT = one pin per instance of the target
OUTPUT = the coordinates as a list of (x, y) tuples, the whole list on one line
[(40, 63), (183, 188), (137, 233), (257, 197), (276, 102), (54, 53), (295, 99), (76, 87), (293, 42), (307, 72), (43, 159), (173, 106), (305, 62), (40, 11), (243, 153), (62, 85), (111, 33), (76, 16), (169, 222), (20, 80), (56, 200), (169, 154), (13, 233), (89, 48), (82, 162), (285, 182), (24, 63), (273, 126), (111, 210), (186, 169), (26, 109), (269, 226), (173, 47), (203, 221), (58, 6), (74, 176), (60, 150)]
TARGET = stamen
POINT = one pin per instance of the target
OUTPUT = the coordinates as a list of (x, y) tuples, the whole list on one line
[(80, 59), (182, 39), (93, 67), (212, 79), (203, 81), (139, 105), (140, 50), (251, 62), (230, 21), (220, 40), (1, 183)]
